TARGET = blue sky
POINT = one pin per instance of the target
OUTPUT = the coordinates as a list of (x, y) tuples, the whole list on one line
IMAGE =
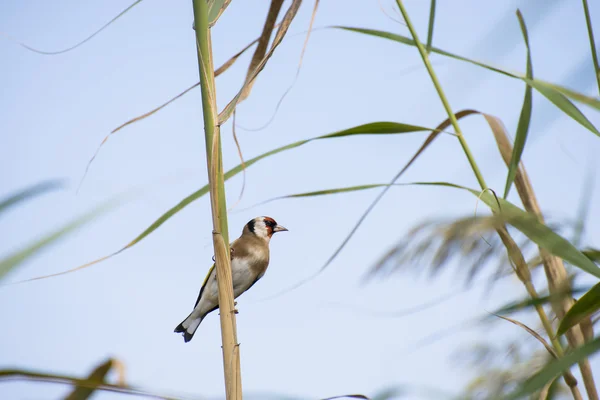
[(320, 339)]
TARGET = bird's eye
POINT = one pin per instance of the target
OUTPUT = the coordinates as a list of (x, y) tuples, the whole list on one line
[(270, 223)]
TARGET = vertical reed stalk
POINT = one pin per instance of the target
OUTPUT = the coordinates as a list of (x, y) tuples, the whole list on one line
[(442, 97), (231, 355)]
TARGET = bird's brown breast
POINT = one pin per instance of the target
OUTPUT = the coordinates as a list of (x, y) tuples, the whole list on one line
[(254, 249)]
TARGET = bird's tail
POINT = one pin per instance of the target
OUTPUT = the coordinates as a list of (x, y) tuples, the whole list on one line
[(188, 327)]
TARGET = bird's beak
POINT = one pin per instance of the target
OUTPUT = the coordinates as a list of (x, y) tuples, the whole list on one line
[(279, 228)]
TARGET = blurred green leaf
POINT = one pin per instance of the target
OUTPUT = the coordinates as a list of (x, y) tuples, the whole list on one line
[(587, 305), (97, 376), (15, 259), (580, 97), (584, 207), (529, 225), (554, 93), (562, 102), (592, 254), (554, 369), (524, 118), (27, 375), (25, 194), (391, 393), (528, 302)]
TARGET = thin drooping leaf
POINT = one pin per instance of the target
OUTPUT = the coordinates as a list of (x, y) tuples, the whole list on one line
[(97, 376), (348, 396), (524, 118), (529, 225), (78, 44), (587, 305), (331, 191), (218, 72), (28, 193), (556, 94), (568, 376), (131, 121), (287, 91), (215, 9), (283, 28), (263, 43), (572, 94), (398, 313), (17, 374), (324, 192), (532, 333), (408, 41), (554, 369), (10, 262), (375, 128), (242, 162)]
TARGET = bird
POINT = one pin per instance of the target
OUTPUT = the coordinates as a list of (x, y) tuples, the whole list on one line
[(249, 262)]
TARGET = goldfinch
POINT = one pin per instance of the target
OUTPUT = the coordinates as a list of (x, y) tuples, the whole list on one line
[(249, 262)]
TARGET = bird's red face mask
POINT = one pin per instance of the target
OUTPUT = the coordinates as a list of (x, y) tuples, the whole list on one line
[(272, 226)]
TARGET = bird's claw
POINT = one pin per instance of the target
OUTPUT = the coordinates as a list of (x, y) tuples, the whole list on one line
[(231, 250)]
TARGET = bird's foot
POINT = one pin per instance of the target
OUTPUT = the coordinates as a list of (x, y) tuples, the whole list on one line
[(231, 250)]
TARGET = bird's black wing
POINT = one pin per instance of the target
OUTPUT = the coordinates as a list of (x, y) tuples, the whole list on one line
[(204, 284)]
